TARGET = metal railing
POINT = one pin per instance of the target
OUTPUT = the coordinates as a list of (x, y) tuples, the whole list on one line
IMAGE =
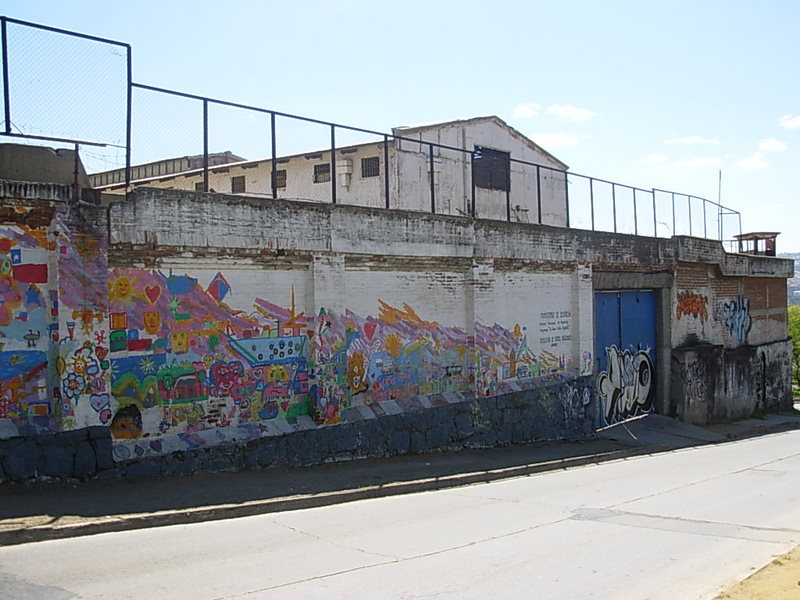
[(588, 202)]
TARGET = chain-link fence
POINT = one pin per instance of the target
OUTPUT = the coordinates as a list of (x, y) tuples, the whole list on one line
[(65, 88), (61, 87)]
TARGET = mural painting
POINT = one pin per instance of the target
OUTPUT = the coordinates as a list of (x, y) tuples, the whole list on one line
[(183, 360), (27, 315), (627, 388), (81, 396), (174, 361)]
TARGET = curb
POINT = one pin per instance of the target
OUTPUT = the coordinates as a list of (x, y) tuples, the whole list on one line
[(41, 533)]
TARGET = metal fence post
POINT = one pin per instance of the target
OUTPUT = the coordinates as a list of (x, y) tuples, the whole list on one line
[(673, 214), (6, 92), (614, 204), (655, 221), (635, 215), (433, 193), (128, 124), (539, 192), (705, 227), (566, 194), (75, 172), (472, 181), (333, 164), (386, 168), (205, 145), (274, 143), (689, 200), (591, 199)]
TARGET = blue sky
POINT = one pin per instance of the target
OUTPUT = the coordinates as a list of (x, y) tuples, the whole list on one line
[(652, 94)]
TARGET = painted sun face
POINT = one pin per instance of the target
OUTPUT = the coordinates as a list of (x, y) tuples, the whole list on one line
[(355, 373), (122, 288)]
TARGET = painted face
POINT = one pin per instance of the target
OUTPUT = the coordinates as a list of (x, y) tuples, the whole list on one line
[(180, 342), (355, 373), (152, 322), (121, 288)]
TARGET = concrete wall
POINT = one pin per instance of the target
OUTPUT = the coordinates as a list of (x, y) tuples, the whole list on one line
[(732, 355), (186, 322)]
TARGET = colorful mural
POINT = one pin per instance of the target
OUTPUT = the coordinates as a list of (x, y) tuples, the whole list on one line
[(174, 361), (182, 360), (27, 315)]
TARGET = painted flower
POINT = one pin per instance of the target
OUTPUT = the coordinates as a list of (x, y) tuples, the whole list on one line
[(84, 363), (147, 365), (73, 385)]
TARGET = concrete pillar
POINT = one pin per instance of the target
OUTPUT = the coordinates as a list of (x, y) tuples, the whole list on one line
[(583, 320)]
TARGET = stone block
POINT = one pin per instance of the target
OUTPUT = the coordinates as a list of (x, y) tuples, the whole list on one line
[(21, 460), (143, 469), (58, 461), (464, 426), (399, 442), (417, 442), (103, 449), (85, 459)]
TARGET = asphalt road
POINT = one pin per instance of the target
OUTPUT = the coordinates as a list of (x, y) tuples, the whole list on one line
[(683, 524)]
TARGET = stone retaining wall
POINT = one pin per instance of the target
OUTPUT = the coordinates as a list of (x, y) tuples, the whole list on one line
[(553, 410)]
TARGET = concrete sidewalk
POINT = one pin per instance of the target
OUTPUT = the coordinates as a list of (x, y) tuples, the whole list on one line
[(50, 510)]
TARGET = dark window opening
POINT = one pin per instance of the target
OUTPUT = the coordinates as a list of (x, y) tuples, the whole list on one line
[(280, 178), (322, 173), (199, 186), (237, 184), (370, 167), (491, 169)]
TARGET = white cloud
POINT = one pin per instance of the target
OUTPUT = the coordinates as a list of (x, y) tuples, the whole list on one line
[(699, 161), (789, 122), (693, 139), (526, 110), (572, 113), (772, 145), (550, 141), (656, 159), (752, 162)]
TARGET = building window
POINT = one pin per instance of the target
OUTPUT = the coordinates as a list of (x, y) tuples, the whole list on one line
[(237, 184), (370, 167), (491, 169), (322, 173), (280, 178), (199, 186)]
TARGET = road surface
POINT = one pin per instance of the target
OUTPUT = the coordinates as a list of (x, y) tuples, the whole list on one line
[(684, 524)]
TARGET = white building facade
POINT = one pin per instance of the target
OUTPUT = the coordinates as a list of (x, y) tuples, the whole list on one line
[(479, 166)]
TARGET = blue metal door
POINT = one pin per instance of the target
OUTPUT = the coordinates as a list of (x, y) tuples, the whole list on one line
[(625, 352)]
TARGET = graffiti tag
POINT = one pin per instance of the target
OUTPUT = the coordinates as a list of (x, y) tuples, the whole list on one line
[(692, 304), (575, 403), (627, 387), (737, 317)]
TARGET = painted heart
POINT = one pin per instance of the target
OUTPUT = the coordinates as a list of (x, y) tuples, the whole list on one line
[(369, 329), (101, 352), (99, 401), (153, 293), (284, 405), (105, 415), (199, 365)]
